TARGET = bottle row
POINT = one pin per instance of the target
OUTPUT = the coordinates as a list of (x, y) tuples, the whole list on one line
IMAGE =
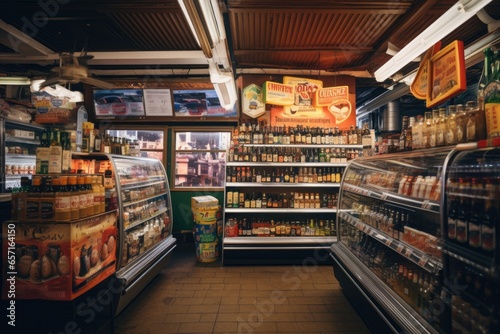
[(442, 127), (285, 175), (255, 133), (270, 228), (293, 200), (419, 289), (292, 154), (141, 239), (133, 214), (94, 140), (474, 213), (61, 198)]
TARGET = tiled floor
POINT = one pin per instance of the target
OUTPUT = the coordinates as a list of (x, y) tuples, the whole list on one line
[(193, 297)]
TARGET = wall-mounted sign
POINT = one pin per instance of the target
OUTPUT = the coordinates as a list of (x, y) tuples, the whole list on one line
[(277, 93), (446, 74), (158, 102), (419, 85), (336, 100), (252, 104)]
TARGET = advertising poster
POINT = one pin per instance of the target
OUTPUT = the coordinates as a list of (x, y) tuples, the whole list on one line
[(195, 103), (315, 106), (118, 102)]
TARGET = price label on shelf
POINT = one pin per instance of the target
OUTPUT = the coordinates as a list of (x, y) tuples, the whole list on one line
[(423, 261), (400, 248), (426, 204), (383, 196), (408, 252), (388, 241)]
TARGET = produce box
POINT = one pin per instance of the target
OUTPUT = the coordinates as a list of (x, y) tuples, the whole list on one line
[(205, 209), (203, 201), (59, 261)]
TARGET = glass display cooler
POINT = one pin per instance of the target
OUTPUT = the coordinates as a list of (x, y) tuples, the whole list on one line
[(145, 240), (417, 240)]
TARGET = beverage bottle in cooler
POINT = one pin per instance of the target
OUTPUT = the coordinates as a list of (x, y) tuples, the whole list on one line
[(492, 99)]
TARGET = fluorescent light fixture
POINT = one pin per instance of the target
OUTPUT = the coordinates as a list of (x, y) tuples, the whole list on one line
[(226, 92), (206, 23), (20, 81), (457, 15), (224, 85)]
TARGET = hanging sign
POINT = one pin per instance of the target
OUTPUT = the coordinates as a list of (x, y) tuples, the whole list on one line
[(278, 94), (419, 85), (446, 74)]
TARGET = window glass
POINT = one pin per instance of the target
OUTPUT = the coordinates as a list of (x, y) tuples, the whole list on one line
[(200, 158)]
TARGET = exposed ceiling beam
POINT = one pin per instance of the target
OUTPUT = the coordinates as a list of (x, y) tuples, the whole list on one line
[(119, 58), (19, 42)]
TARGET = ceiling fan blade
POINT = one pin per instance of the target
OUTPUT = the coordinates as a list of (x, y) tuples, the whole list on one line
[(53, 81), (98, 83)]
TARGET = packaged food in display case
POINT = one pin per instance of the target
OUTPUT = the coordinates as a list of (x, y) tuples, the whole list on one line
[(60, 261)]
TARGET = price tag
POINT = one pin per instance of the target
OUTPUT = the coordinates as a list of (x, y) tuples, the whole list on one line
[(384, 196), (408, 252), (423, 261), (388, 242), (400, 248), (426, 204)]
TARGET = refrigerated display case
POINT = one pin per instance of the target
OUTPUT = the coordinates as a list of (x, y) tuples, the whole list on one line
[(281, 210), (145, 240), (471, 240), (417, 240), (18, 143), (388, 251)]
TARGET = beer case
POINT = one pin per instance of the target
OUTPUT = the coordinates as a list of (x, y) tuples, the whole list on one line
[(60, 261)]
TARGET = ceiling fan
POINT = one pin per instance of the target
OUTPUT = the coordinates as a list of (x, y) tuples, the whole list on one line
[(71, 71)]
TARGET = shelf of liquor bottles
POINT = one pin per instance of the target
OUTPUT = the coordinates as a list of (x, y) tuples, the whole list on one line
[(416, 256)]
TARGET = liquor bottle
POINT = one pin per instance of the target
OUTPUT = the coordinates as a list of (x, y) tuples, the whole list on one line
[(75, 197), (427, 130), (474, 220), (62, 199), (55, 153), (409, 135), (462, 217), (417, 133), (492, 98), (461, 123), (42, 154), (490, 216), (47, 200), (440, 124), (66, 152), (402, 136), (451, 126)]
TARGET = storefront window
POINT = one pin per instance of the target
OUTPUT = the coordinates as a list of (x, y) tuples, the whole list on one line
[(200, 158), (144, 143)]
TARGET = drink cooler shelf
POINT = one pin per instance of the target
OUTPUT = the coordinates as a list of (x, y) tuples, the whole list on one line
[(389, 197), (402, 248)]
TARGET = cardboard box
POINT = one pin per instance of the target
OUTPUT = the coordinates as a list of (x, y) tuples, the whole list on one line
[(208, 214), (59, 261), (203, 201)]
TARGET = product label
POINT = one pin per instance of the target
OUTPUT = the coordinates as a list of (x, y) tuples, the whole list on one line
[(488, 237), (492, 111), (452, 228), (461, 230), (474, 235)]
